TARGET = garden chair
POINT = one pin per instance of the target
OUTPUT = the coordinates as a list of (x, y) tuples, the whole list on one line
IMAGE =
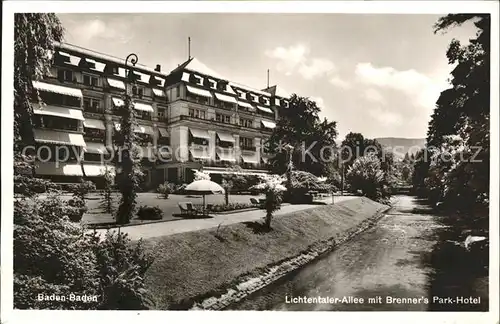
[(254, 202), (192, 210), (183, 207)]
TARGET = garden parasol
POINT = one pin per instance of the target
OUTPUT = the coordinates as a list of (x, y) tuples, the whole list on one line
[(204, 187)]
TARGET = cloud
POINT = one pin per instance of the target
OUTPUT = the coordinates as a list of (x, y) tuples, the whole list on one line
[(338, 82), (373, 95), (89, 30), (320, 102), (422, 89), (385, 117), (295, 59)]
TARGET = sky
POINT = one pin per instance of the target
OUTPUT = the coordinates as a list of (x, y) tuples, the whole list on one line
[(379, 75)]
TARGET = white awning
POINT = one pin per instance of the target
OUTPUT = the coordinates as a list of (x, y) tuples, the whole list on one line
[(163, 132), (229, 89), (159, 93), (199, 154), (73, 60), (199, 133), (95, 148), (268, 124), (122, 72), (225, 98), (143, 107), (264, 159), (250, 159), (225, 137), (246, 105), (118, 84), (143, 77), (244, 172), (117, 101), (57, 111), (199, 92), (94, 123), (185, 77), (265, 109), (57, 137), (48, 87), (159, 81), (144, 129), (50, 168), (276, 101), (226, 156), (99, 66), (97, 170)]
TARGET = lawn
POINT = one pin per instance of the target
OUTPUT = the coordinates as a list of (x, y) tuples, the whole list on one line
[(96, 214), (190, 265)]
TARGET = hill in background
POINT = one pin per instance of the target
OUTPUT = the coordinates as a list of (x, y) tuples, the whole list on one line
[(400, 146)]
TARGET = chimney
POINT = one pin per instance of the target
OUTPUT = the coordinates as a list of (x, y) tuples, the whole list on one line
[(158, 68)]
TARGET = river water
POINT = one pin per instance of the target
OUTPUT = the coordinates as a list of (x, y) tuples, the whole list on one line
[(405, 262)]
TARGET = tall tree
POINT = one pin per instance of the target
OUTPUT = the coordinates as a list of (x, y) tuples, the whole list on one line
[(34, 37), (313, 139), (460, 124), (128, 172)]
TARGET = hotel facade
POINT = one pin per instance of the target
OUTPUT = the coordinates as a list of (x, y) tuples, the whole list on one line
[(188, 119)]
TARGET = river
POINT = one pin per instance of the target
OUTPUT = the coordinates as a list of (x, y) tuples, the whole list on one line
[(405, 262)]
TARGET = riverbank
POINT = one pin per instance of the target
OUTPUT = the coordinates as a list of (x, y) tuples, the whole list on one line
[(191, 267)]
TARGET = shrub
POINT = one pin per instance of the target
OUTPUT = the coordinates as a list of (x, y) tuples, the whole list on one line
[(83, 188), (149, 213), (231, 206), (55, 256), (79, 208), (366, 175), (165, 189), (28, 185), (179, 189)]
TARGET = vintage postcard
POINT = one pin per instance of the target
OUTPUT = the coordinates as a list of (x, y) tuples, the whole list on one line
[(293, 157)]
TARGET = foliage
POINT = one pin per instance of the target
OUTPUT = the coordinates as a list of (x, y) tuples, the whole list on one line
[(230, 207), (301, 127), (82, 188), (355, 145), (129, 174), (201, 175), (27, 185), (34, 37), (54, 256), (109, 179), (367, 176), (272, 186), (456, 172), (149, 213), (165, 189), (179, 189)]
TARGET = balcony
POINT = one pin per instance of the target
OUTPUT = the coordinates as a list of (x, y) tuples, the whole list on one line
[(248, 148), (213, 121)]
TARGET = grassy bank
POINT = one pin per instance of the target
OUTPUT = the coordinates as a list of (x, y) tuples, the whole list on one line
[(194, 265)]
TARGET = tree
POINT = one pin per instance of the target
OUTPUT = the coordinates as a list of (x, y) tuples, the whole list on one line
[(313, 140), (355, 145), (129, 174), (34, 37), (462, 115), (108, 190), (367, 176), (273, 189)]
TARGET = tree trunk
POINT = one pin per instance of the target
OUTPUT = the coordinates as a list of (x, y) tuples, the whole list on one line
[(226, 194), (268, 220)]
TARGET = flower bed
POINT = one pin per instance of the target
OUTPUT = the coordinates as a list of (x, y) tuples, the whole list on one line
[(230, 207)]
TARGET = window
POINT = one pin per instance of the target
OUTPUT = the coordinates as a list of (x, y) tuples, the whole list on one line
[(90, 80), (65, 75), (246, 122), (247, 143), (197, 113), (92, 104), (161, 114), (178, 91), (223, 118)]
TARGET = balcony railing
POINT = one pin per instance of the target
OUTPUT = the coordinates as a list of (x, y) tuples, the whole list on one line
[(212, 121)]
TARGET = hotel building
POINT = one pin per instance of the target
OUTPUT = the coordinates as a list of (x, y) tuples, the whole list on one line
[(188, 119)]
